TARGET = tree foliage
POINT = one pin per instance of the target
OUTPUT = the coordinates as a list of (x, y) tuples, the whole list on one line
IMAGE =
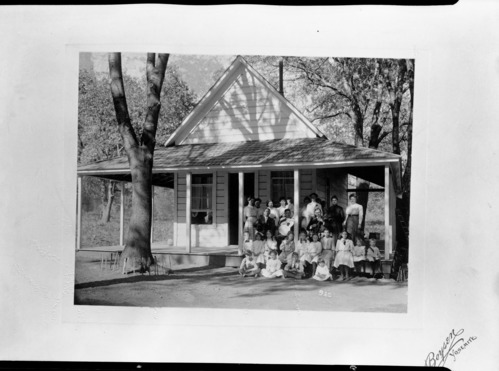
[(99, 139), (363, 101), (98, 135)]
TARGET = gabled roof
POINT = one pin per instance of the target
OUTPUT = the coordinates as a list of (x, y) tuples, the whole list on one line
[(210, 121)]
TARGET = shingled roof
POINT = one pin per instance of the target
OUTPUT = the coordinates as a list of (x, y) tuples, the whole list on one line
[(282, 152)]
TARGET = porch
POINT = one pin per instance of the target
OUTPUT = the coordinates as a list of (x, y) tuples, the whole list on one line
[(210, 183)]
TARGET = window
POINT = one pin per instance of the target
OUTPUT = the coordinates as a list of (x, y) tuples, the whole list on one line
[(282, 185), (202, 199)]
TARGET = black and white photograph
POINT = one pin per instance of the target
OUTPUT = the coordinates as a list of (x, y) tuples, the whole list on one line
[(250, 185), (252, 182)]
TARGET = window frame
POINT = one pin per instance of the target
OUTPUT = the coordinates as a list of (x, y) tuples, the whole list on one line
[(211, 198)]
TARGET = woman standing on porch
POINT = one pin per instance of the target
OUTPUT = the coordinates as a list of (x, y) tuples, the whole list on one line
[(304, 217), (274, 213), (250, 213), (353, 217)]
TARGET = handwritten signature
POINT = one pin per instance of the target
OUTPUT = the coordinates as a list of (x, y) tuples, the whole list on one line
[(452, 346)]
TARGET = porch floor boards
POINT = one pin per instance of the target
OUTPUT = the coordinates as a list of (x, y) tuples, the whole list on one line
[(163, 248)]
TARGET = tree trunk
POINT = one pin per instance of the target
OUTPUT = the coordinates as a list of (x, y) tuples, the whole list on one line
[(138, 239), (406, 178), (358, 125), (396, 103), (140, 156), (106, 213)]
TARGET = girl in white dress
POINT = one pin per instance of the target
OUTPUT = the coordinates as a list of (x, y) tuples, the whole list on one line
[(327, 249), (344, 256), (312, 256), (273, 267), (359, 257), (302, 245), (259, 250), (322, 272), (270, 244)]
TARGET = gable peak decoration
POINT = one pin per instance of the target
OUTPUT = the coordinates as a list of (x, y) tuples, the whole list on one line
[(242, 106)]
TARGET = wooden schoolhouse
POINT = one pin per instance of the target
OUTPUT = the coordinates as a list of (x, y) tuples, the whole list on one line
[(245, 138)]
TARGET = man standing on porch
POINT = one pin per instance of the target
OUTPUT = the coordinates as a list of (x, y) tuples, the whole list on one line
[(334, 219)]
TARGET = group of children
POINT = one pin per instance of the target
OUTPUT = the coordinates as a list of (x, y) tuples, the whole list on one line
[(315, 256)]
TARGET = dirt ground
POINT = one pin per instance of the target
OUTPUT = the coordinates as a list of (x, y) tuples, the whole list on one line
[(215, 287)]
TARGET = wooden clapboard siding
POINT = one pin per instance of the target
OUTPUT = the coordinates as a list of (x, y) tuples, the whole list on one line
[(181, 198), (321, 183), (221, 202), (204, 235), (306, 183), (264, 186), (248, 110)]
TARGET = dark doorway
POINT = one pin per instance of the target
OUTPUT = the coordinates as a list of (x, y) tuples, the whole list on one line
[(233, 201)]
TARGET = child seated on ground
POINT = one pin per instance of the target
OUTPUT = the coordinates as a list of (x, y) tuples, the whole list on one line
[(247, 243), (322, 272), (373, 256), (272, 267), (287, 248), (344, 256), (248, 266), (359, 257), (259, 250), (294, 268)]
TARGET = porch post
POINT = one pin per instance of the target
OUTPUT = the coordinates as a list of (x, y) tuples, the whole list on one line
[(297, 204), (152, 213), (240, 213), (78, 214), (122, 214), (388, 231), (188, 213)]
